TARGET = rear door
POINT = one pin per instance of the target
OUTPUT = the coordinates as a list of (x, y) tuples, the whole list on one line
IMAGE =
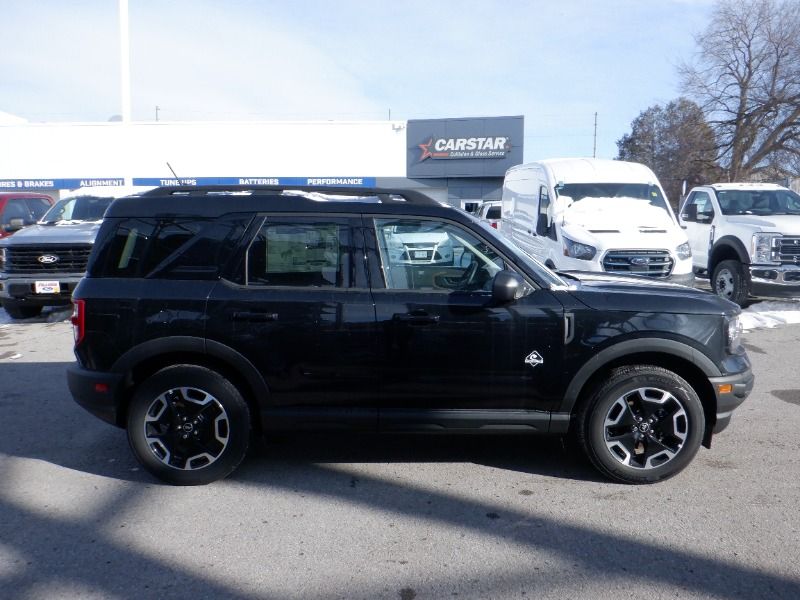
[(300, 310)]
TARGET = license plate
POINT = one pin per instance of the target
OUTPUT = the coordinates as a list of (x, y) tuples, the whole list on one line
[(47, 287), (420, 254)]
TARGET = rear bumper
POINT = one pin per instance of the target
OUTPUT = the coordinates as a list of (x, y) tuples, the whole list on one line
[(87, 388), (741, 386)]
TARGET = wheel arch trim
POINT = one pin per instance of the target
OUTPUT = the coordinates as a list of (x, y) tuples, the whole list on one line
[(724, 243), (150, 349), (632, 347)]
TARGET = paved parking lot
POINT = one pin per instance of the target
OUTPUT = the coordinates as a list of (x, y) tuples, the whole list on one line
[(396, 517)]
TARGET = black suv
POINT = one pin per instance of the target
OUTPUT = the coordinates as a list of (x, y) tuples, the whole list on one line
[(208, 314)]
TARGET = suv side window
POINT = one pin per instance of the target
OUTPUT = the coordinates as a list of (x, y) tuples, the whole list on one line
[(426, 254), (301, 252)]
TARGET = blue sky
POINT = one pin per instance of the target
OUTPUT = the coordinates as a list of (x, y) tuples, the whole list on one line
[(555, 62)]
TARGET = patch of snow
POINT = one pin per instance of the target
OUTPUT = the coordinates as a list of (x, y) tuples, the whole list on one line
[(769, 314)]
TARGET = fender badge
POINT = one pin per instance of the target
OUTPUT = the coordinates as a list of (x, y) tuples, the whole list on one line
[(533, 359)]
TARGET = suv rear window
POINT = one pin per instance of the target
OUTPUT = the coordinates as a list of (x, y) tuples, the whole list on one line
[(180, 248)]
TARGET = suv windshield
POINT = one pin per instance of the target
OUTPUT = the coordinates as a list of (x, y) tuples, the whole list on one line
[(638, 191), (77, 208), (759, 202)]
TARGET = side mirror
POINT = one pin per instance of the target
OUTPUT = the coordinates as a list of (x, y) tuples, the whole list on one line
[(703, 217), (14, 225), (507, 287)]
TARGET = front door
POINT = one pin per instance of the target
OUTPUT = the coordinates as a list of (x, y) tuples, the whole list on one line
[(301, 312), (444, 346), (697, 216)]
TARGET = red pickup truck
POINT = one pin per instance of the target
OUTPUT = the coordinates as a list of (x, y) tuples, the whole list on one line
[(18, 209)]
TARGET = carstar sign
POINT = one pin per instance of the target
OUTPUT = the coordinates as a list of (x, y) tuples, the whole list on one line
[(459, 148)]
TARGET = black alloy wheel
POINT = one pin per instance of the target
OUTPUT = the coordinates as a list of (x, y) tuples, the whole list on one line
[(644, 424), (188, 425)]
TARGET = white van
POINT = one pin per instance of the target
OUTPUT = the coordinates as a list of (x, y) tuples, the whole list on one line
[(595, 215)]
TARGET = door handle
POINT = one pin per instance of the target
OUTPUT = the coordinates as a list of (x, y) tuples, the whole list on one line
[(416, 318), (254, 316)]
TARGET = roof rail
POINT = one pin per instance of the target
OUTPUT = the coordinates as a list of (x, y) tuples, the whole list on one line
[(385, 195)]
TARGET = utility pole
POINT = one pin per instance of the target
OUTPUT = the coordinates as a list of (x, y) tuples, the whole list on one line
[(156, 113), (594, 147)]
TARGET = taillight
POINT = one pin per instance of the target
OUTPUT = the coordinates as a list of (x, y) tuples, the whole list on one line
[(78, 320), (494, 224)]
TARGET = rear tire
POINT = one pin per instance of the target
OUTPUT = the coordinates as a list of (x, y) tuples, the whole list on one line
[(642, 425), (731, 281), (188, 425)]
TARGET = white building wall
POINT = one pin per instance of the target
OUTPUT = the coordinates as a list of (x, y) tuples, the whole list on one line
[(207, 149)]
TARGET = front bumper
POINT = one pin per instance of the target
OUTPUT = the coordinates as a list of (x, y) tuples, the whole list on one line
[(741, 384), (97, 392), (682, 279), (22, 289), (777, 281)]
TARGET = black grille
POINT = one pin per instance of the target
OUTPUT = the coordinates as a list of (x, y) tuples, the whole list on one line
[(28, 259), (789, 250), (652, 263)]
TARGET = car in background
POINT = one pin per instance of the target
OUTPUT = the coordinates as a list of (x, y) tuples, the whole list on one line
[(412, 245), (491, 213), (746, 238), (41, 264), (20, 209)]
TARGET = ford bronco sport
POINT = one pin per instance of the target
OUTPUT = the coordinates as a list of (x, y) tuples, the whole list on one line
[(211, 313)]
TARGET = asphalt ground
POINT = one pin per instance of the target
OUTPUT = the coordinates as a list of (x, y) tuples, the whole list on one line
[(390, 517)]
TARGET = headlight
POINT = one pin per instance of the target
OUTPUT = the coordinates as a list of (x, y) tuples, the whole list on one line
[(578, 250), (734, 334), (763, 246), (684, 251)]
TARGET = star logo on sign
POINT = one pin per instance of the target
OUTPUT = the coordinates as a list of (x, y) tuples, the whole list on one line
[(426, 152)]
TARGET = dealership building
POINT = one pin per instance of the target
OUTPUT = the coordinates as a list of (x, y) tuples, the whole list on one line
[(459, 161)]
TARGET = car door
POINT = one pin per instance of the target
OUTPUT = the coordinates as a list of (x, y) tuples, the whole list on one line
[(299, 309), (447, 353), (697, 217)]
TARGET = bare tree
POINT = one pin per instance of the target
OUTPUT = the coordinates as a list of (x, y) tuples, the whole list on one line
[(746, 78), (675, 142)]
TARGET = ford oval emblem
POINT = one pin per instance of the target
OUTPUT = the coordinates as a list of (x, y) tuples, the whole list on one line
[(48, 259), (640, 261)]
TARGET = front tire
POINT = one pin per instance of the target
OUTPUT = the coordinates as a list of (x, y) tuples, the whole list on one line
[(643, 425), (731, 281), (188, 425)]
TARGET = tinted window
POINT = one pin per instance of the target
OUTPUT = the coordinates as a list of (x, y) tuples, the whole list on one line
[(493, 212), (174, 248), (300, 253)]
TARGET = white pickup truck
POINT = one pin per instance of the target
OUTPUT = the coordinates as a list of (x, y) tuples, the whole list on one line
[(746, 238)]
